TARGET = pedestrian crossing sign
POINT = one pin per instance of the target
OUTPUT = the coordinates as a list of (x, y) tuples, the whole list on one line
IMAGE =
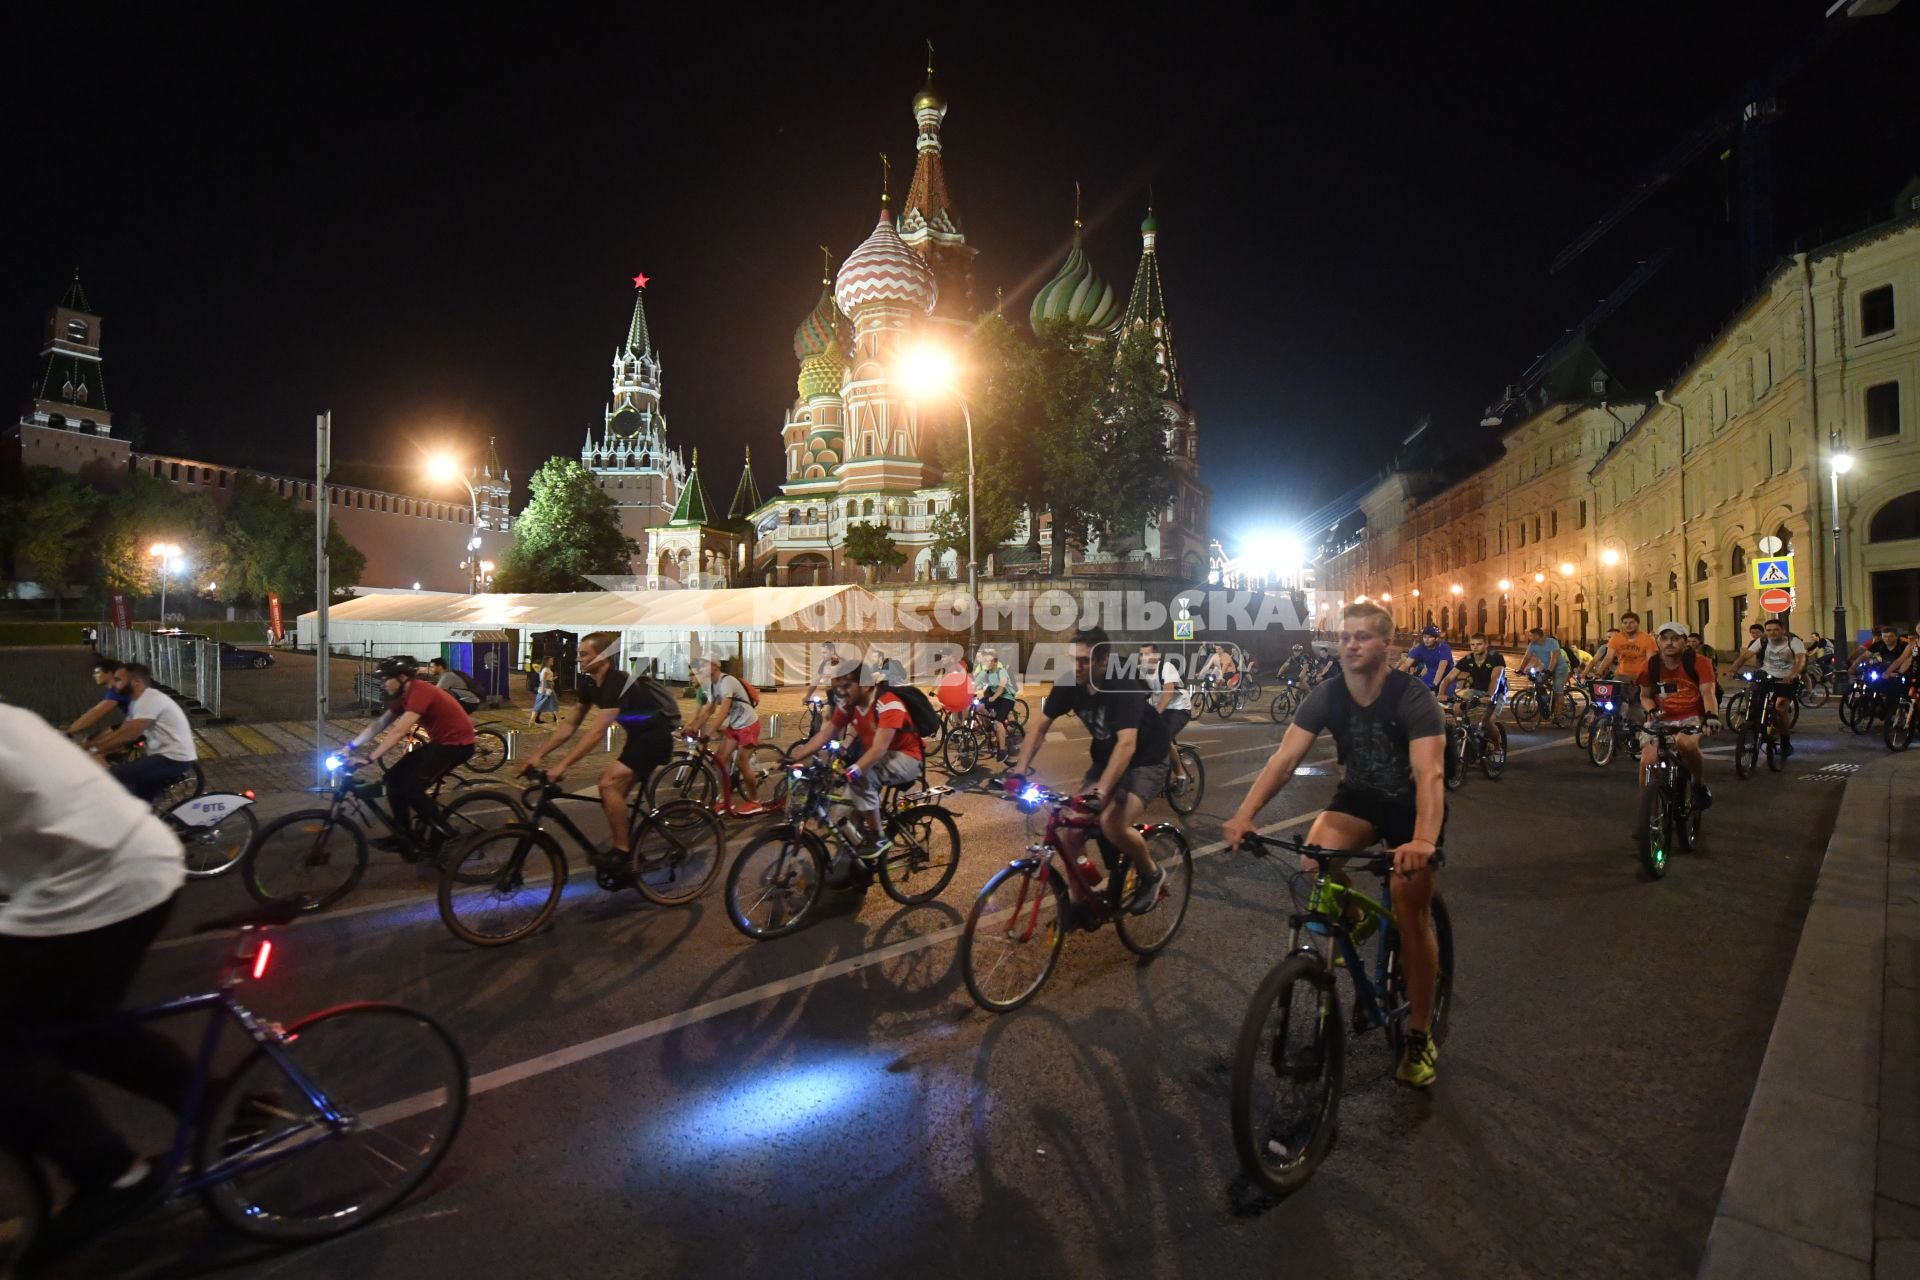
[(1773, 571), (1183, 629)]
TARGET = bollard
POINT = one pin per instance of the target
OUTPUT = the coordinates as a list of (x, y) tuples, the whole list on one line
[(773, 727)]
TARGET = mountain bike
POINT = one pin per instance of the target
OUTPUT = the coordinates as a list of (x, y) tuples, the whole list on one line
[(971, 733), (501, 885), (1468, 743), (1538, 704), (1816, 686), (1740, 702), (1761, 731), (325, 1125), (1013, 935), (778, 880), (1903, 719), (694, 774), (1867, 699), (1213, 695), (1669, 818), (1610, 731), (315, 857), (1290, 1064), (1286, 700)]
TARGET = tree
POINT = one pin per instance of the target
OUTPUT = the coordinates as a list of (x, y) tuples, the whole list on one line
[(1128, 433), (143, 510), (569, 532), (266, 545), (47, 525), (870, 544)]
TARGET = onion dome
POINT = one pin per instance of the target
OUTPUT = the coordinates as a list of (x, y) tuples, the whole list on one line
[(821, 372), (1076, 294), (929, 98), (884, 270), (822, 326)]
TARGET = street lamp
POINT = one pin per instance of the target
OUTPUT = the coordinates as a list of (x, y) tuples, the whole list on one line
[(168, 554), (1611, 555), (1505, 585), (1839, 462), (445, 468), (928, 370)]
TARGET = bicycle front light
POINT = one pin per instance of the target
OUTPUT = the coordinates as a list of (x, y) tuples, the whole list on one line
[(1606, 706), (1032, 795), (799, 773), (333, 763)]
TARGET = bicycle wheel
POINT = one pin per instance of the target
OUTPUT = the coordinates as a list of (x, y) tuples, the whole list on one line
[(310, 859), (489, 751), (677, 851), (1583, 727), (961, 750), (1746, 752), (1286, 1074), (396, 1084), (501, 885), (1739, 710), (1394, 980), (1185, 793), (1493, 759), (1601, 742), (1526, 710), (23, 1209), (925, 853), (192, 785), (776, 882), (1652, 830), (1899, 731), (1016, 735), (1456, 757), (1021, 710), (1013, 935), (685, 778), (1813, 693), (1849, 703), (1281, 708), (1149, 934), (1772, 739), (769, 771), (209, 851)]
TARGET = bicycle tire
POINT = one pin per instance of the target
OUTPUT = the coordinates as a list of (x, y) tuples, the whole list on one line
[(1281, 708), (190, 786), (1183, 800), (1493, 760), (320, 887), (1302, 989), (1773, 742), (1149, 934), (1746, 752), (924, 855), (1813, 693), (216, 850), (412, 1096), (686, 777), (487, 898), (1021, 711), (1652, 832), (489, 751), (1035, 916), (1583, 725), (1394, 984), (791, 883), (1456, 766), (770, 774), (678, 849), (1569, 707), (1225, 704), (1526, 711), (1603, 742), (1898, 733), (961, 751)]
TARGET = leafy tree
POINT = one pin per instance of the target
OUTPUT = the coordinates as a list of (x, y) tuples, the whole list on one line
[(47, 526), (569, 532), (143, 510), (1128, 433), (266, 545), (1000, 396), (870, 544)]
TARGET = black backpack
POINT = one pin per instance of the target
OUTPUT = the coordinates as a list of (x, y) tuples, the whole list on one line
[(655, 699), (1391, 694), (926, 721)]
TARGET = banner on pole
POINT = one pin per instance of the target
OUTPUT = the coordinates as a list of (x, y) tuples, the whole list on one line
[(274, 625), (118, 612)]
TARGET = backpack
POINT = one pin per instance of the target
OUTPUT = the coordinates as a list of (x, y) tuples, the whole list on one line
[(1687, 669), (926, 721), (753, 694), (1391, 694), (657, 698)]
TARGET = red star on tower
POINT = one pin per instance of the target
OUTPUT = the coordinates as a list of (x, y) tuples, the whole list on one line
[(640, 281)]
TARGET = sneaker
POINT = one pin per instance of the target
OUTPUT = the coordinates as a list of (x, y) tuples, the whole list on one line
[(1146, 892), (1419, 1061), (751, 809), (1702, 798), (876, 850), (610, 861)]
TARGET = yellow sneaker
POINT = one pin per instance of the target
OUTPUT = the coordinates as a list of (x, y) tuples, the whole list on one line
[(1419, 1061)]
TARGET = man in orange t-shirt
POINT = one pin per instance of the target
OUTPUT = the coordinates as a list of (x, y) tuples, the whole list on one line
[(1628, 650)]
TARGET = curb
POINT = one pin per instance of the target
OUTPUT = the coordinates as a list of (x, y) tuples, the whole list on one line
[(1802, 1194)]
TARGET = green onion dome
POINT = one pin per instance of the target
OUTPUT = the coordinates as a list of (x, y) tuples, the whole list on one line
[(822, 371), (1076, 294)]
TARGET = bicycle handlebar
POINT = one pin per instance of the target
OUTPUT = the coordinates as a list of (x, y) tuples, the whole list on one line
[(1378, 857)]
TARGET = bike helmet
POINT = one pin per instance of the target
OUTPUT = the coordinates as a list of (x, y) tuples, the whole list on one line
[(1430, 631), (1299, 648), (397, 667)]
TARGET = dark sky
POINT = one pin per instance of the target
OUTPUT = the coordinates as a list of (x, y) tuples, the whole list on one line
[(427, 222)]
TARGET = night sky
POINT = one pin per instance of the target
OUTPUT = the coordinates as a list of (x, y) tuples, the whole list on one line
[(428, 223)]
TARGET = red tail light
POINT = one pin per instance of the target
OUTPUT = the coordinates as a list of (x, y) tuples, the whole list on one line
[(260, 959), (247, 794)]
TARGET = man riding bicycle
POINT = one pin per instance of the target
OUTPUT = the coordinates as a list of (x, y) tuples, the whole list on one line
[(997, 690), (410, 782), (1127, 752), (1484, 675), (110, 677), (1678, 685), (1545, 662), (1298, 665), (1391, 738), (738, 723), (1171, 700), (158, 718), (891, 753), (1628, 650), (1781, 657), (1430, 660)]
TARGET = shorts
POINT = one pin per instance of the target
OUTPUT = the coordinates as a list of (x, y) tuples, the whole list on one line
[(642, 753), (1392, 820), (1175, 720), (1148, 781), (1001, 709), (744, 737), (894, 769)]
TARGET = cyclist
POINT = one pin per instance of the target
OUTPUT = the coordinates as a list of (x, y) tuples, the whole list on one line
[(1629, 649), (1884, 650), (152, 714), (88, 877), (954, 690), (1485, 674), (1127, 752), (1391, 738), (822, 688), (996, 688), (1546, 662), (1678, 685), (457, 683), (644, 709), (891, 753), (1326, 666), (109, 675), (1781, 657), (1430, 660), (449, 744), (739, 726), (1582, 658), (1171, 701)]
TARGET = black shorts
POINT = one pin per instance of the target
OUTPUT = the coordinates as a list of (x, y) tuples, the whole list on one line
[(1001, 709), (1175, 721), (1392, 820), (642, 753)]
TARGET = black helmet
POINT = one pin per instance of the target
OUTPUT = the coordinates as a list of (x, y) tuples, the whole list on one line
[(397, 667)]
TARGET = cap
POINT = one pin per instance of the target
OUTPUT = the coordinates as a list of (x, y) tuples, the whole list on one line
[(1678, 628), (1430, 631)]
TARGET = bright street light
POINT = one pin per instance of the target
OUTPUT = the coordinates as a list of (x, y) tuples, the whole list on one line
[(443, 467), (1610, 557), (1386, 597), (446, 469), (1566, 568), (1276, 557), (929, 370), (1842, 463), (1539, 577), (168, 553), (1457, 589), (1506, 584)]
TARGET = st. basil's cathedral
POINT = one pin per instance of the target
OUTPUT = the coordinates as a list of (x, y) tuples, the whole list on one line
[(857, 448)]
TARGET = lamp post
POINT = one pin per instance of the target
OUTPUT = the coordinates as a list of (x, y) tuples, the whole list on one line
[(168, 553), (1506, 632), (1457, 590), (1839, 462), (443, 467), (1610, 556), (929, 371)]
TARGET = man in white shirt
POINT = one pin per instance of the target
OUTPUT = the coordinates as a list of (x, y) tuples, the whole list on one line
[(87, 879), (733, 713), (170, 751), (1172, 699)]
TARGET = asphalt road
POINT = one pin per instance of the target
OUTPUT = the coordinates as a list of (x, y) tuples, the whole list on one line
[(657, 1095)]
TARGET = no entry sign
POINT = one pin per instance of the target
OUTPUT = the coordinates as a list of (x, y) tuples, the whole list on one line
[(1776, 601)]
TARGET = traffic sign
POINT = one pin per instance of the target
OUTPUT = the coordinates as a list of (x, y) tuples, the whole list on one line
[(1771, 545), (1776, 600), (1773, 571), (1183, 629)]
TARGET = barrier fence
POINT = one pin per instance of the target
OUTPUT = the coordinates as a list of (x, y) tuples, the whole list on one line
[(189, 667)]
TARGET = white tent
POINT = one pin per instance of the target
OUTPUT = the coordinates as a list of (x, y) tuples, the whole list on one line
[(666, 627)]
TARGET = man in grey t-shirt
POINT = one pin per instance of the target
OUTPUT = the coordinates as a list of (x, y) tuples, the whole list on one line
[(1782, 657)]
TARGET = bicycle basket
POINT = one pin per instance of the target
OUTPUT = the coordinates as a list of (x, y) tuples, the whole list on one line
[(1609, 690)]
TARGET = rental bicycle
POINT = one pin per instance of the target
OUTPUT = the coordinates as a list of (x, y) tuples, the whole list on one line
[(325, 1125), (501, 885), (1290, 1063), (694, 774), (1669, 817), (215, 831), (1019, 923), (1468, 743), (1611, 730)]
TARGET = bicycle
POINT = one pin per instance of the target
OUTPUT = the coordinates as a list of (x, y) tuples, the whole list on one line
[(1903, 719), (1213, 695), (1185, 793), (1669, 819), (1017, 926), (969, 734), (214, 831), (1769, 735), (694, 774), (1294, 1035), (501, 885), (1612, 732), (489, 750), (1286, 700), (1739, 703), (777, 881), (315, 857), (372, 1094), (1468, 744), (1538, 704)]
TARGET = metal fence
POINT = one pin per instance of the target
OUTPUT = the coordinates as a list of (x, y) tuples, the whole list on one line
[(189, 667)]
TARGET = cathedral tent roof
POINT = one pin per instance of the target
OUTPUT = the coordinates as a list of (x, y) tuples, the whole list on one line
[(691, 509)]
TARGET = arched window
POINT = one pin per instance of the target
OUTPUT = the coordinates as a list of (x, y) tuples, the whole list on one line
[(866, 508), (1786, 539), (930, 506), (1739, 565), (1898, 520), (1673, 582), (1699, 570), (793, 515)]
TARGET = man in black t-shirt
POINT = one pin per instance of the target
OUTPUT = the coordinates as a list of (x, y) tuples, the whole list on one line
[(1128, 752), (1481, 677), (1392, 739)]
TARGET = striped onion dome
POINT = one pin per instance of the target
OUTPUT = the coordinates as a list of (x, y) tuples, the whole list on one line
[(822, 326), (821, 372), (1076, 294), (884, 270)]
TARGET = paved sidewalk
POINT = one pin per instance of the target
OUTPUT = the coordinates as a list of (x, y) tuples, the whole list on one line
[(1826, 1179)]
